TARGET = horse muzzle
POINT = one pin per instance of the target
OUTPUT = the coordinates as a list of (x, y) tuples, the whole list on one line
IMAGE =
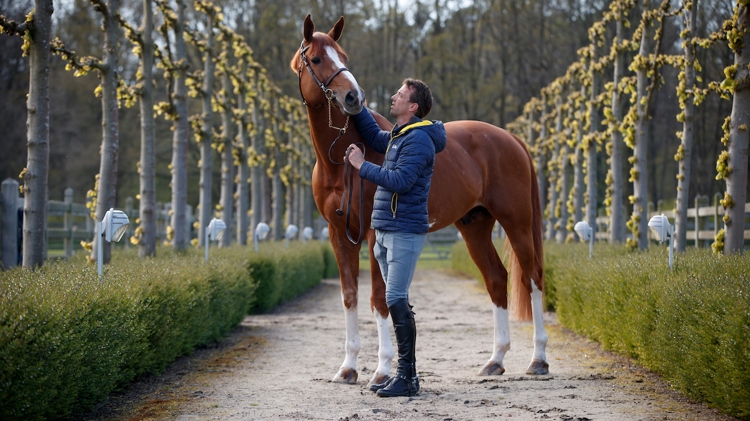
[(352, 103)]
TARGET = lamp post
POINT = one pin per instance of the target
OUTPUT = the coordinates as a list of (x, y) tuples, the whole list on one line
[(307, 234), (586, 233), (112, 227), (261, 231), (214, 231), (291, 232), (661, 227)]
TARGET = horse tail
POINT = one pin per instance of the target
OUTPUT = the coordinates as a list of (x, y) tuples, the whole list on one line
[(520, 302)]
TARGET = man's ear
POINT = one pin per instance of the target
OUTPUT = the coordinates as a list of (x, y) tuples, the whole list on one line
[(413, 107)]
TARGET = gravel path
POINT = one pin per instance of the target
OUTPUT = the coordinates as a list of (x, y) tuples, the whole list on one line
[(279, 366)]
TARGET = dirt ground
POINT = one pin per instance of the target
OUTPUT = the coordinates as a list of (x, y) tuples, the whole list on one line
[(279, 365)]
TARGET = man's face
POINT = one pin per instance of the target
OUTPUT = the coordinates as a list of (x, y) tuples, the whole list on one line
[(400, 103)]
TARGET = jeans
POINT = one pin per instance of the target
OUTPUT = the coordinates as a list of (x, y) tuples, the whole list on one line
[(397, 254)]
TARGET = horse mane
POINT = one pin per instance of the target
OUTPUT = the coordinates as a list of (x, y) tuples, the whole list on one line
[(320, 41)]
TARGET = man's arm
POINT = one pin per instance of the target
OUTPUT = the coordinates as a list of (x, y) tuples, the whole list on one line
[(370, 131), (413, 158)]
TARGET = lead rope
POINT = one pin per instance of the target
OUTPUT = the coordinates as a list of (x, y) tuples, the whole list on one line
[(348, 187)]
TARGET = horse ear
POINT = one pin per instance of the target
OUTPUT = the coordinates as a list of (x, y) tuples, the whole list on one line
[(309, 28), (337, 29)]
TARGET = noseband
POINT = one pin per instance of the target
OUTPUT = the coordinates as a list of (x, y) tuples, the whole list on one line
[(348, 187)]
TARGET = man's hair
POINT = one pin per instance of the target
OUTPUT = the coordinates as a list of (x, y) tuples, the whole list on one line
[(421, 95)]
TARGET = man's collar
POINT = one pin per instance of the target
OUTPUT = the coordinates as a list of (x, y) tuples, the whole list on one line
[(413, 120)]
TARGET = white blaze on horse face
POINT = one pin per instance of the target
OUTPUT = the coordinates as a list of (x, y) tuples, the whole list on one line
[(537, 311), (333, 55), (385, 351), (502, 334), (352, 339)]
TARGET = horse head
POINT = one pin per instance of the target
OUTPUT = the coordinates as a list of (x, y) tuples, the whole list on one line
[(320, 64)]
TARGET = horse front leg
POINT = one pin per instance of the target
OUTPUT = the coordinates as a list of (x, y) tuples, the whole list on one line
[(380, 311), (539, 363), (347, 258)]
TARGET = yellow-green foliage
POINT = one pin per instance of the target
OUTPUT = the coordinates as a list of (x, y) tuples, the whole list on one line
[(690, 325), (66, 342)]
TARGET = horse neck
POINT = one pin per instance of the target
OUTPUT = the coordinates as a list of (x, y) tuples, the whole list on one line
[(323, 136)]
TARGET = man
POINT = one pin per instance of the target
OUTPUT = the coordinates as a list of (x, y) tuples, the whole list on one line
[(399, 214)]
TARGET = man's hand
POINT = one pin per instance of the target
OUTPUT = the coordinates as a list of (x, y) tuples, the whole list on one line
[(355, 156)]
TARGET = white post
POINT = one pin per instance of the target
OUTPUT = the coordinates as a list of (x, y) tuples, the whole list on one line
[(206, 243), (591, 242), (255, 241), (671, 243), (99, 247)]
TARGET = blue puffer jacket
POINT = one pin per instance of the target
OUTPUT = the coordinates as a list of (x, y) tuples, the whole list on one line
[(404, 179)]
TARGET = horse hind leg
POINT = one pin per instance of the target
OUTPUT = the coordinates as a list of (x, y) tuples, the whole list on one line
[(539, 365), (526, 291), (476, 229)]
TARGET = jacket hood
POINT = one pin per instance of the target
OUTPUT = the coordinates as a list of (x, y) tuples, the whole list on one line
[(436, 130)]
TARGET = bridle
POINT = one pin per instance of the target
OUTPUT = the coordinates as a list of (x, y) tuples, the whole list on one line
[(348, 186)]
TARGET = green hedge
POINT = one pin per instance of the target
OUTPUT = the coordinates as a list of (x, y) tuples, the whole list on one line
[(691, 325), (66, 342), (284, 275)]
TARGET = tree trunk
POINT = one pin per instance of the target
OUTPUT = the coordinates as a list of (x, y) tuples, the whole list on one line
[(738, 142), (686, 146), (591, 161), (147, 211), (180, 138), (615, 170), (555, 168), (291, 188), (257, 189), (227, 159), (243, 170), (541, 157), (206, 175), (105, 198), (564, 136), (37, 129), (578, 178), (639, 174), (277, 210)]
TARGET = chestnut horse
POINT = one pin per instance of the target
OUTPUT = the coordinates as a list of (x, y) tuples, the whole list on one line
[(485, 174)]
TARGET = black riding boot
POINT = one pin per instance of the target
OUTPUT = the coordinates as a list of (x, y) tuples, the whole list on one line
[(403, 383), (412, 358)]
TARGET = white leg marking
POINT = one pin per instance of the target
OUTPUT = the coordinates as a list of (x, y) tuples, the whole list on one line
[(540, 336), (385, 349), (502, 334), (352, 339)]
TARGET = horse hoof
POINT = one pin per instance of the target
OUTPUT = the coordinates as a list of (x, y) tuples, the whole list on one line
[(378, 378), (346, 375), (538, 367), (492, 368)]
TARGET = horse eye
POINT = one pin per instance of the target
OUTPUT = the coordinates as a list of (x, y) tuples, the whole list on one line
[(316, 60)]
